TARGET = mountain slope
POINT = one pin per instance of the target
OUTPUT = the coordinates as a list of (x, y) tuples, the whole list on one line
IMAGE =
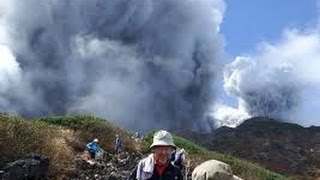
[(282, 147), (63, 138)]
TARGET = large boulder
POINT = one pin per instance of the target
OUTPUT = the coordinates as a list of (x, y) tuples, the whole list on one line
[(213, 170), (30, 167)]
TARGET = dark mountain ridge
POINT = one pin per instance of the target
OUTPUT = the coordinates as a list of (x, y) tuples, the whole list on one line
[(282, 147)]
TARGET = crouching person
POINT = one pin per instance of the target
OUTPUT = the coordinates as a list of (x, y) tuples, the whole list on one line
[(157, 165)]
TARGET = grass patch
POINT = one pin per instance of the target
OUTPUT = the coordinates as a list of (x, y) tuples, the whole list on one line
[(86, 128), (20, 138)]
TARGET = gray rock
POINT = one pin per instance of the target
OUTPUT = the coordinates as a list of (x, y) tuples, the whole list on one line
[(31, 167)]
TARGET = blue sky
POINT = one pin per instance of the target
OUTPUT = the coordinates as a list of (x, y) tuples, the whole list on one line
[(248, 22)]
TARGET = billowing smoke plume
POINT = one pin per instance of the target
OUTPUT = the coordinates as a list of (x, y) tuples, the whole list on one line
[(143, 64), (281, 81), (9, 76)]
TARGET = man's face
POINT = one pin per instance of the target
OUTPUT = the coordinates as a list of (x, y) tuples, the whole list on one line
[(163, 153)]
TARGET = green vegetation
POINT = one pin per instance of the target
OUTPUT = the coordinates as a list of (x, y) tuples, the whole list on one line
[(61, 138), (86, 128), (20, 138), (76, 122)]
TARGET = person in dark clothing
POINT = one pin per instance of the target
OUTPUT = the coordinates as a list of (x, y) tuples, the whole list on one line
[(179, 157), (157, 166), (117, 144)]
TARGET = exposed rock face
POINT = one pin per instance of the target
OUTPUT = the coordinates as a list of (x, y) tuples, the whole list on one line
[(281, 147), (111, 167), (30, 167)]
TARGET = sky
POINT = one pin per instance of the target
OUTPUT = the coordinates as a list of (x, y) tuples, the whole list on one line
[(248, 22)]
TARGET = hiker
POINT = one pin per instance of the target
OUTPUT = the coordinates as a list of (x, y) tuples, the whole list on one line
[(136, 136), (93, 147), (179, 157), (213, 170), (157, 165), (117, 144)]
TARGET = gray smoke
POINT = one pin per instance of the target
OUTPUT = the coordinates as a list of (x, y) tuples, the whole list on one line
[(143, 64), (280, 81), (266, 91)]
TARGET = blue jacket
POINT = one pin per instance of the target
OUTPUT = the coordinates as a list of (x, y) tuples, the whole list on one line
[(93, 147)]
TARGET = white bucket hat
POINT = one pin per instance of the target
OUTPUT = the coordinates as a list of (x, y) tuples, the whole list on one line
[(96, 140), (162, 138)]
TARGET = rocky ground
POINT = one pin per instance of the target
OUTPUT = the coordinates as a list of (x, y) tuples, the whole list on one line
[(110, 167)]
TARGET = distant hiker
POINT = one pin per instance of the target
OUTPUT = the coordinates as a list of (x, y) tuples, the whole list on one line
[(179, 157), (157, 165), (117, 144), (93, 147), (136, 136), (213, 170)]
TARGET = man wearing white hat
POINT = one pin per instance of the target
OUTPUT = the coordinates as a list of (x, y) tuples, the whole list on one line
[(157, 165)]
